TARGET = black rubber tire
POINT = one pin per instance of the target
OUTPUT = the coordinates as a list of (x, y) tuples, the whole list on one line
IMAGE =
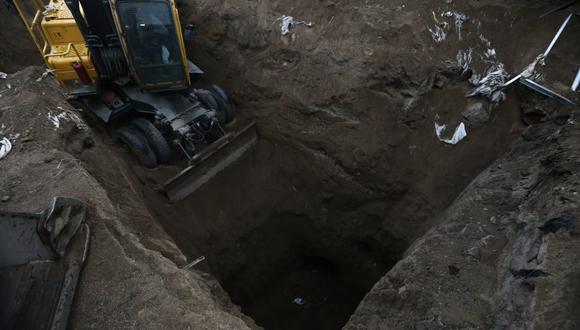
[(208, 100), (138, 145), (224, 101), (154, 137)]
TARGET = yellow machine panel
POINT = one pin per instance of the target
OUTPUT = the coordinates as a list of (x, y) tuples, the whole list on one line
[(60, 41), (62, 31)]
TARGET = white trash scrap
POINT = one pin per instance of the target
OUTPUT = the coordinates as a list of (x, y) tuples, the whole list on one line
[(459, 20), (287, 22), (438, 34), (459, 134), (491, 85), (3, 75), (299, 301), (484, 40), (194, 263), (66, 116), (5, 147), (464, 59), (490, 53), (45, 74)]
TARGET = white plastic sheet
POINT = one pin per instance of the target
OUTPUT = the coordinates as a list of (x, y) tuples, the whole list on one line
[(459, 20), (5, 147), (491, 85), (287, 22), (66, 116), (459, 134), (438, 34)]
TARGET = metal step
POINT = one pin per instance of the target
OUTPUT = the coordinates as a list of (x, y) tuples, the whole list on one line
[(210, 162)]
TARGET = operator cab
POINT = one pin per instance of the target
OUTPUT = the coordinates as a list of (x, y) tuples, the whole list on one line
[(152, 44)]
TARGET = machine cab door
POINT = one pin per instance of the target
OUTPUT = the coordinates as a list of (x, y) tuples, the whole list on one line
[(151, 36)]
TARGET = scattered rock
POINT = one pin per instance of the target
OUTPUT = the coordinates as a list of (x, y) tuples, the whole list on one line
[(440, 81), (528, 273), (566, 222), (453, 270), (474, 253), (476, 114), (88, 143)]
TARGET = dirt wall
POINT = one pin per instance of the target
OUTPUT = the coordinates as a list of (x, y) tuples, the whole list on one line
[(488, 264)]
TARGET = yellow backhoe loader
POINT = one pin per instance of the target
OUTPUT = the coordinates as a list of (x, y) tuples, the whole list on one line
[(125, 61)]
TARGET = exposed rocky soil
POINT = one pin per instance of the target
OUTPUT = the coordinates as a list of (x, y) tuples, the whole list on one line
[(348, 183)]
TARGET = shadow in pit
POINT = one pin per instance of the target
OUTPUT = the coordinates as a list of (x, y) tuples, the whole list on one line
[(291, 275)]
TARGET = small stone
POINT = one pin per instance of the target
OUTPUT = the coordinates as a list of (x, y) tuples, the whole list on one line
[(49, 159), (476, 114), (88, 143), (453, 270), (440, 81), (474, 253), (6, 199)]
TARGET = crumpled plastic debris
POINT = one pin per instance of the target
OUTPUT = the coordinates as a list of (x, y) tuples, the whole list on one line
[(45, 74), (66, 116), (484, 40), (287, 22), (50, 9), (5, 147), (438, 34), (299, 301), (3, 75), (459, 20), (491, 85), (459, 134), (464, 59), (490, 53), (566, 222), (530, 71)]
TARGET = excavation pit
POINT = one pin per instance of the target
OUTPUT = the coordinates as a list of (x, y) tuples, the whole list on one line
[(294, 250)]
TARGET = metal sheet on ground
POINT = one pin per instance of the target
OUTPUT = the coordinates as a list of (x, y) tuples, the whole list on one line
[(39, 271)]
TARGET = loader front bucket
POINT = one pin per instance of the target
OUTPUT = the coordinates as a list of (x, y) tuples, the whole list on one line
[(210, 162)]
